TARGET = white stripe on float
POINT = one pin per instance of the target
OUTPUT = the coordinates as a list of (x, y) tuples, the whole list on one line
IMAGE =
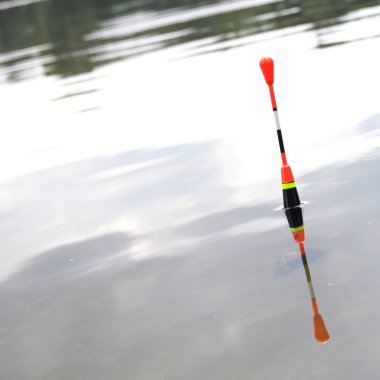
[(277, 120)]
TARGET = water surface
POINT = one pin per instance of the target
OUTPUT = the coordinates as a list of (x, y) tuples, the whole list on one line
[(140, 231)]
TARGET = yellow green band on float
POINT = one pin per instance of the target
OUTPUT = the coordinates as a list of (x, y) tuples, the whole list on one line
[(290, 185), (297, 229)]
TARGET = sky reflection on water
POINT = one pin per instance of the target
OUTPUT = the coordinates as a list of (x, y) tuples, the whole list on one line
[(214, 307)]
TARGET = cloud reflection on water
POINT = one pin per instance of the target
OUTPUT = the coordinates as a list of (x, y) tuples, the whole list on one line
[(212, 308)]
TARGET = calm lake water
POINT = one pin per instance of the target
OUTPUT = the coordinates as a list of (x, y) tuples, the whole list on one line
[(141, 228)]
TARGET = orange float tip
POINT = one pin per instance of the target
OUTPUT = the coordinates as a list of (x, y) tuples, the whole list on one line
[(320, 332), (267, 67), (299, 237)]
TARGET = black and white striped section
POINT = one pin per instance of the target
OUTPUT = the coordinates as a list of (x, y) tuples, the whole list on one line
[(278, 127)]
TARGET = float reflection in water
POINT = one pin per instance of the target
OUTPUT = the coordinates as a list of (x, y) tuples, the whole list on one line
[(292, 204)]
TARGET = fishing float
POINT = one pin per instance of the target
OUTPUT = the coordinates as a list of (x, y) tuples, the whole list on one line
[(292, 204)]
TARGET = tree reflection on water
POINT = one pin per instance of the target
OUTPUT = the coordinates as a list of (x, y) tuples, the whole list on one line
[(67, 37)]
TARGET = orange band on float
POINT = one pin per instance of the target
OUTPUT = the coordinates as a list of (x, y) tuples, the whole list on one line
[(272, 97), (315, 306), (299, 237), (286, 174)]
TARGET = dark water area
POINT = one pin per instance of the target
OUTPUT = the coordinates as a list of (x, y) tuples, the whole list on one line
[(69, 37)]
